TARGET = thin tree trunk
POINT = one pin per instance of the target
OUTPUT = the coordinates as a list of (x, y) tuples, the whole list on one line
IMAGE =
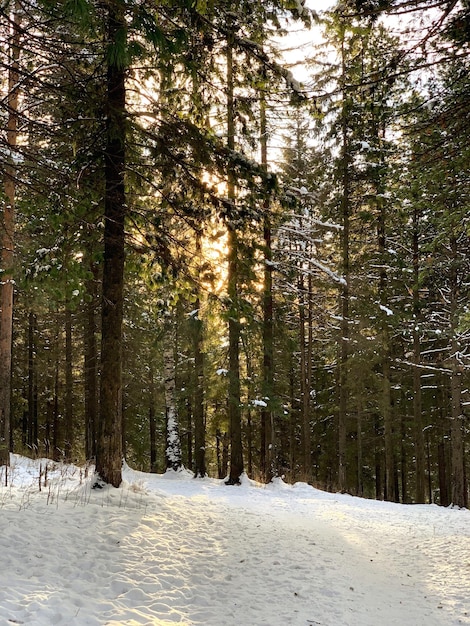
[(109, 447), (33, 442), (444, 499), (343, 347), (417, 400), (390, 492), (56, 425), (200, 469), (68, 413), (173, 442), (91, 361), (359, 448), (304, 385), (189, 433), (459, 496), (292, 419), (152, 421), (7, 241), (403, 461), (234, 409), (268, 455)]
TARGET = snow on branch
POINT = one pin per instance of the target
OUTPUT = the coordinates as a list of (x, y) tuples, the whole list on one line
[(328, 272)]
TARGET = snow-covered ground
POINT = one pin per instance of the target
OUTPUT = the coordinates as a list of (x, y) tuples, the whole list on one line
[(169, 549)]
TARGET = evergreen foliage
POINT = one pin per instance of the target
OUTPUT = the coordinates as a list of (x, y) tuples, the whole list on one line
[(219, 268)]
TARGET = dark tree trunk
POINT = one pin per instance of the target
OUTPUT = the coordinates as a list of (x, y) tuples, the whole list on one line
[(234, 409), (91, 362), (344, 299), (152, 422), (444, 499), (7, 243), (459, 496), (199, 421), (109, 446), (32, 439), (222, 453), (267, 460), (304, 386), (56, 425), (68, 413), (173, 441), (417, 399)]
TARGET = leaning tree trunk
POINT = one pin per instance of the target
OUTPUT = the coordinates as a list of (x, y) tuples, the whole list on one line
[(7, 241), (109, 445)]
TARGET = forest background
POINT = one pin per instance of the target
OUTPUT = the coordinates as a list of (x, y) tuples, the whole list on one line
[(208, 263)]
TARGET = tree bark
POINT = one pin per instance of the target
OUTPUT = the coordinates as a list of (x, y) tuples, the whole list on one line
[(234, 409), (343, 344), (268, 455), (68, 413), (200, 469), (417, 400), (7, 241), (152, 422), (173, 442), (386, 400), (109, 448), (459, 495), (32, 385), (199, 421), (90, 359), (304, 385)]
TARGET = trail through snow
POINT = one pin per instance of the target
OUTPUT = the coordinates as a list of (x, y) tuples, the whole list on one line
[(169, 549)]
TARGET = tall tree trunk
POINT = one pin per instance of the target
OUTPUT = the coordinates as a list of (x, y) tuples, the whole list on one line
[(291, 438), (90, 359), (199, 419), (7, 241), (444, 499), (459, 495), (304, 385), (56, 425), (32, 385), (200, 469), (386, 403), (152, 421), (343, 348), (234, 409), (173, 442), (417, 401), (109, 445), (268, 452), (343, 343), (68, 413), (359, 448)]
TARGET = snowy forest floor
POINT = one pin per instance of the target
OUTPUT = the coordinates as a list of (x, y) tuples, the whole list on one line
[(168, 549)]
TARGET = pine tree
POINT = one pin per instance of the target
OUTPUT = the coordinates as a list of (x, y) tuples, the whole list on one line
[(7, 232)]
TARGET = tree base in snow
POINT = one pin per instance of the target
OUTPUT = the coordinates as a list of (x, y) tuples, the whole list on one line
[(4, 456), (233, 481)]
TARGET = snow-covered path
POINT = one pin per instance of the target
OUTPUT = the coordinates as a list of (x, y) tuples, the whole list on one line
[(165, 550)]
